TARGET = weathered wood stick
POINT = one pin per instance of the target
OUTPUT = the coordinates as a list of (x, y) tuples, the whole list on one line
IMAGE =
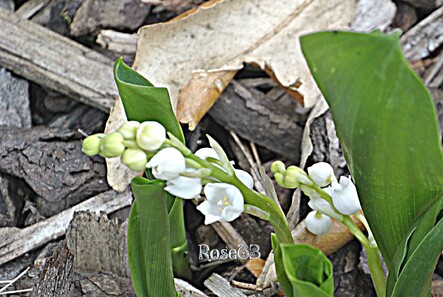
[(17, 243), (51, 60)]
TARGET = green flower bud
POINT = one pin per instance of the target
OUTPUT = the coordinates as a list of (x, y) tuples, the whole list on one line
[(299, 174), (278, 166), (279, 178), (290, 181), (112, 145), (129, 130), (150, 135), (91, 145), (135, 159)]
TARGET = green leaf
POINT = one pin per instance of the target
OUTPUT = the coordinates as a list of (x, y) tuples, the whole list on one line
[(148, 241), (143, 101), (179, 244), (308, 270), (280, 268), (417, 255), (386, 123)]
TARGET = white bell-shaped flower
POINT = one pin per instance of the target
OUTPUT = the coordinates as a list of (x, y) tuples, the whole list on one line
[(245, 178), (242, 175), (345, 197), (224, 202), (150, 135), (206, 152), (322, 174), (318, 223), (324, 207), (184, 187), (167, 164)]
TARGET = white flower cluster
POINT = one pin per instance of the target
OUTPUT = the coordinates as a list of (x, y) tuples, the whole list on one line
[(144, 145), (319, 184)]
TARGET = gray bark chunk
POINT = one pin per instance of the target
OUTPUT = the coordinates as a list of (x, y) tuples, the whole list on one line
[(94, 15), (53, 165), (55, 279), (56, 62), (425, 37), (7, 4), (99, 244), (274, 121), (14, 101)]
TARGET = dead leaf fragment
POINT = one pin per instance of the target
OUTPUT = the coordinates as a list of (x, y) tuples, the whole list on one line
[(255, 266), (201, 91), (222, 36), (118, 175)]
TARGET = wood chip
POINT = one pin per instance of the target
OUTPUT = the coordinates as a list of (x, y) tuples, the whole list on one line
[(17, 243), (51, 60)]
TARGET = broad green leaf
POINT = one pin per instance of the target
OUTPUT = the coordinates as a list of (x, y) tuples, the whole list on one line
[(280, 268), (308, 270), (386, 123), (143, 101), (148, 241), (417, 255)]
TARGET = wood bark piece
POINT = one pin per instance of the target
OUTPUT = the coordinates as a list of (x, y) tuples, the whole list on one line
[(221, 287), (94, 15), (98, 243), (17, 243), (52, 164), (118, 42), (14, 101), (425, 37), (55, 280), (275, 123), (56, 62), (31, 7)]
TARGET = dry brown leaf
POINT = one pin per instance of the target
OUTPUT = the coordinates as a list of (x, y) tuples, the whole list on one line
[(118, 175), (201, 85), (255, 266), (224, 35), (327, 243)]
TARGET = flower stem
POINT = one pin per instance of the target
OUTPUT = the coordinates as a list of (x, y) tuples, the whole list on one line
[(373, 255), (276, 217)]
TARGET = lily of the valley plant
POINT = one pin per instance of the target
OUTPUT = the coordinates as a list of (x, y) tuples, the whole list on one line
[(228, 191)]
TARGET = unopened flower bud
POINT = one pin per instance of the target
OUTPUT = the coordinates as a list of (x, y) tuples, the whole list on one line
[(129, 130), (318, 223), (135, 159), (91, 145), (299, 174), (112, 145), (278, 166), (279, 179), (150, 135), (290, 181), (322, 174)]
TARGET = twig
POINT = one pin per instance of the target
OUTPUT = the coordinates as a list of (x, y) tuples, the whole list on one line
[(14, 280), (250, 159), (17, 291)]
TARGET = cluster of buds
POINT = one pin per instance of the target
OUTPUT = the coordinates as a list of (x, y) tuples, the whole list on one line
[(142, 146), (329, 198)]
